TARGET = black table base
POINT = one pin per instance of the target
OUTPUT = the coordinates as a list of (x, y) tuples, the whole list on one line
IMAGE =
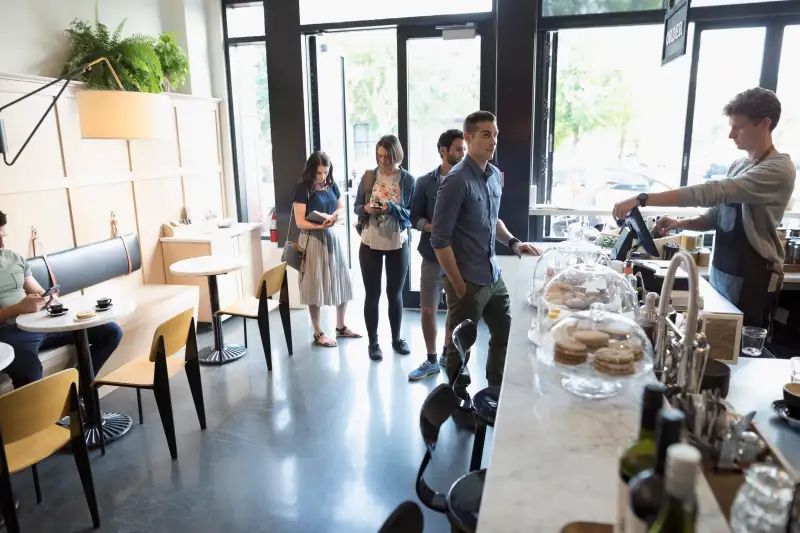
[(115, 425), (220, 353), (212, 356)]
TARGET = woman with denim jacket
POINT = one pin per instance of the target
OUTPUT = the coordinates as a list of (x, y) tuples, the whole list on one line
[(382, 203)]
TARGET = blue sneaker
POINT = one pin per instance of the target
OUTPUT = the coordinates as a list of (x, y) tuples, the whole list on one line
[(428, 368)]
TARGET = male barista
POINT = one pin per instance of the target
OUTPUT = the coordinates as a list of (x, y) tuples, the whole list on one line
[(20, 293), (451, 148), (745, 209), (465, 227)]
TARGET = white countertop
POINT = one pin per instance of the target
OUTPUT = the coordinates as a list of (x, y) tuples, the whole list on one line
[(187, 235), (43, 323), (555, 456), (554, 210), (6, 355), (206, 265)]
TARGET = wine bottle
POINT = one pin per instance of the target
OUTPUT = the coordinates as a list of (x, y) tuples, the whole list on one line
[(641, 454), (678, 511), (645, 490)]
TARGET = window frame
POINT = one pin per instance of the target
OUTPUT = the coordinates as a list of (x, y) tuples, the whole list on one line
[(773, 16)]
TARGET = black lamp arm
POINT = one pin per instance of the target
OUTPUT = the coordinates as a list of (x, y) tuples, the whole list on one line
[(68, 77)]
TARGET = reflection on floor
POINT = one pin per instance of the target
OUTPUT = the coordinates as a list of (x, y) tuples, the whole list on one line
[(328, 442)]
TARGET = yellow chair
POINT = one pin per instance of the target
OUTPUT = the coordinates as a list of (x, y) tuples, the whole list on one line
[(155, 371), (272, 281), (30, 433)]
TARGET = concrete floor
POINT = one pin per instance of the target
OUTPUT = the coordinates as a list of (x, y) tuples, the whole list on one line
[(328, 442)]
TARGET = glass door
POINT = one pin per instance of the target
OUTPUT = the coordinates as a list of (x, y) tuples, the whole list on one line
[(353, 100), (441, 75)]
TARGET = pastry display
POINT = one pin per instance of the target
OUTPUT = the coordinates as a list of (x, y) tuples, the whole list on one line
[(569, 351), (592, 339), (559, 257), (614, 361), (631, 345)]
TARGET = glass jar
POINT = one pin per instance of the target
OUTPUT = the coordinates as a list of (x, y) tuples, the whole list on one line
[(763, 501)]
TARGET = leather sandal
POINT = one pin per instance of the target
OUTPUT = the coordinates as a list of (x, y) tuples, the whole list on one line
[(344, 331), (318, 342)]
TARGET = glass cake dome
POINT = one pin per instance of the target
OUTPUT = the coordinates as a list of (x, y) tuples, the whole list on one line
[(580, 249), (576, 289), (596, 352)]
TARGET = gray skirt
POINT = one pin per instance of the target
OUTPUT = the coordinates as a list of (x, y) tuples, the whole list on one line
[(325, 279)]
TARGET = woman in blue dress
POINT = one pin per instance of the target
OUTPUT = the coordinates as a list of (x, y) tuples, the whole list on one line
[(325, 279)]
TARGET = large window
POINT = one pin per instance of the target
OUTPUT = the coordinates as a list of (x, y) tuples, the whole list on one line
[(245, 21), (787, 134), (322, 11), (712, 150), (619, 118), (443, 88), (248, 71), (586, 7)]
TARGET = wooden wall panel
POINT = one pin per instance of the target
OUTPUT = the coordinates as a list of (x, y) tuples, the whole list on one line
[(92, 207), (89, 160), (157, 201), (158, 158), (198, 136), (40, 166), (203, 193), (48, 211)]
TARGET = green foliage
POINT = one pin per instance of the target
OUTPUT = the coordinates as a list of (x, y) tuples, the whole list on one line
[(174, 63), (582, 7), (136, 59)]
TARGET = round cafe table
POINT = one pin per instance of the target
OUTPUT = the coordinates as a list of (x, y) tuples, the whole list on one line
[(6, 355), (114, 425), (211, 267)]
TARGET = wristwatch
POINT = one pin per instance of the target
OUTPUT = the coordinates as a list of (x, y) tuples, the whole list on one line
[(643, 199), (512, 242)]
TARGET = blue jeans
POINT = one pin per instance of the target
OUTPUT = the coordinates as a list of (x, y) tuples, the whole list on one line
[(26, 367)]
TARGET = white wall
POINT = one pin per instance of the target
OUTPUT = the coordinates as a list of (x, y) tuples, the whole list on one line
[(32, 36)]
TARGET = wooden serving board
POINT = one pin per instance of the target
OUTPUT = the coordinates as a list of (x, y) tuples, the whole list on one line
[(587, 527)]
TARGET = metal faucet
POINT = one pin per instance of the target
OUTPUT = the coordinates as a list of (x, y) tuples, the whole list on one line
[(679, 368)]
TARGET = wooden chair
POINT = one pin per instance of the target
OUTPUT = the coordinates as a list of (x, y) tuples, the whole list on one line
[(30, 433), (272, 281), (155, 371)]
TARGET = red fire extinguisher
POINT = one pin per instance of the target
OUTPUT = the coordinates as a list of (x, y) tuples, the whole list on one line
[(273, 227)]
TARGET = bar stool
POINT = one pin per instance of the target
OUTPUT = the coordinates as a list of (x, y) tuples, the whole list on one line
[(406, 518), (463, 501), (483, 407)]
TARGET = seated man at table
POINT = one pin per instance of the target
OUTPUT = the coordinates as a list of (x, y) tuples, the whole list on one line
[(20, 293)]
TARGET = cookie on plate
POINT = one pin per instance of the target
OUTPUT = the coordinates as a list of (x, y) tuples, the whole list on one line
[(591, 338), (85, 315), (631, 345), (570, 352), (614, 362)]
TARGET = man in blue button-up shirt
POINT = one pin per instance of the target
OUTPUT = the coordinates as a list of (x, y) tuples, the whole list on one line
[(465, 227)]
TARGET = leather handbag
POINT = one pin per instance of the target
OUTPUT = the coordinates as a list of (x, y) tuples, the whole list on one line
[(294, 254)]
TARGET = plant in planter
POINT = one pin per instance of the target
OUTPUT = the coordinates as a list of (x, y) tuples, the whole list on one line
[(174, 63), (133, 58)]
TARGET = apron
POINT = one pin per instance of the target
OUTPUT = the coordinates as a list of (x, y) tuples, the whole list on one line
[(738, 272)]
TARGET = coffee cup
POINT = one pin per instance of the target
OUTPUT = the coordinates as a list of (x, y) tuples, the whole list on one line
[(55, 308), (791, 395), (102, 303)]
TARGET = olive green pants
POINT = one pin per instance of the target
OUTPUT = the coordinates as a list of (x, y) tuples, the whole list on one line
[(492, 304)]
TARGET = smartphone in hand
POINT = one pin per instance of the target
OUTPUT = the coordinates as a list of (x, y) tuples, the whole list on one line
[(51, 291)]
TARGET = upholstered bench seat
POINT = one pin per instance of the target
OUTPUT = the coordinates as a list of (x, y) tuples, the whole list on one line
[(154, 304)]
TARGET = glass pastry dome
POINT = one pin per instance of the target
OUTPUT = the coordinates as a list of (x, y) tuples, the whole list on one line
[(596, 352), (579, 249), (576, 289)]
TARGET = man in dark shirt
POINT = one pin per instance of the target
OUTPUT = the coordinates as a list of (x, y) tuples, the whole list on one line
[(451, 148), (465, 226)]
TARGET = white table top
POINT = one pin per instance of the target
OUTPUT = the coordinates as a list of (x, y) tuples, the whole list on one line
[(206, 265), (6, 355), (43, 323), (555, 456)]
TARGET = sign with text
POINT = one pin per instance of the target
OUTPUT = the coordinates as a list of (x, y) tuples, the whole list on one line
[(676, 31)]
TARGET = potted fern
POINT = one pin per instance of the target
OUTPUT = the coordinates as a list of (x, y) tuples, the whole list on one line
[(137, 59)]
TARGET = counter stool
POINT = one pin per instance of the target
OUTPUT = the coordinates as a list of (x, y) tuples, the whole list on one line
[(406, 518), (463, 501), (483, 406)]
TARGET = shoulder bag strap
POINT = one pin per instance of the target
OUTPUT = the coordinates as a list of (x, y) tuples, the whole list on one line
[(115, 235), (37, 244)]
